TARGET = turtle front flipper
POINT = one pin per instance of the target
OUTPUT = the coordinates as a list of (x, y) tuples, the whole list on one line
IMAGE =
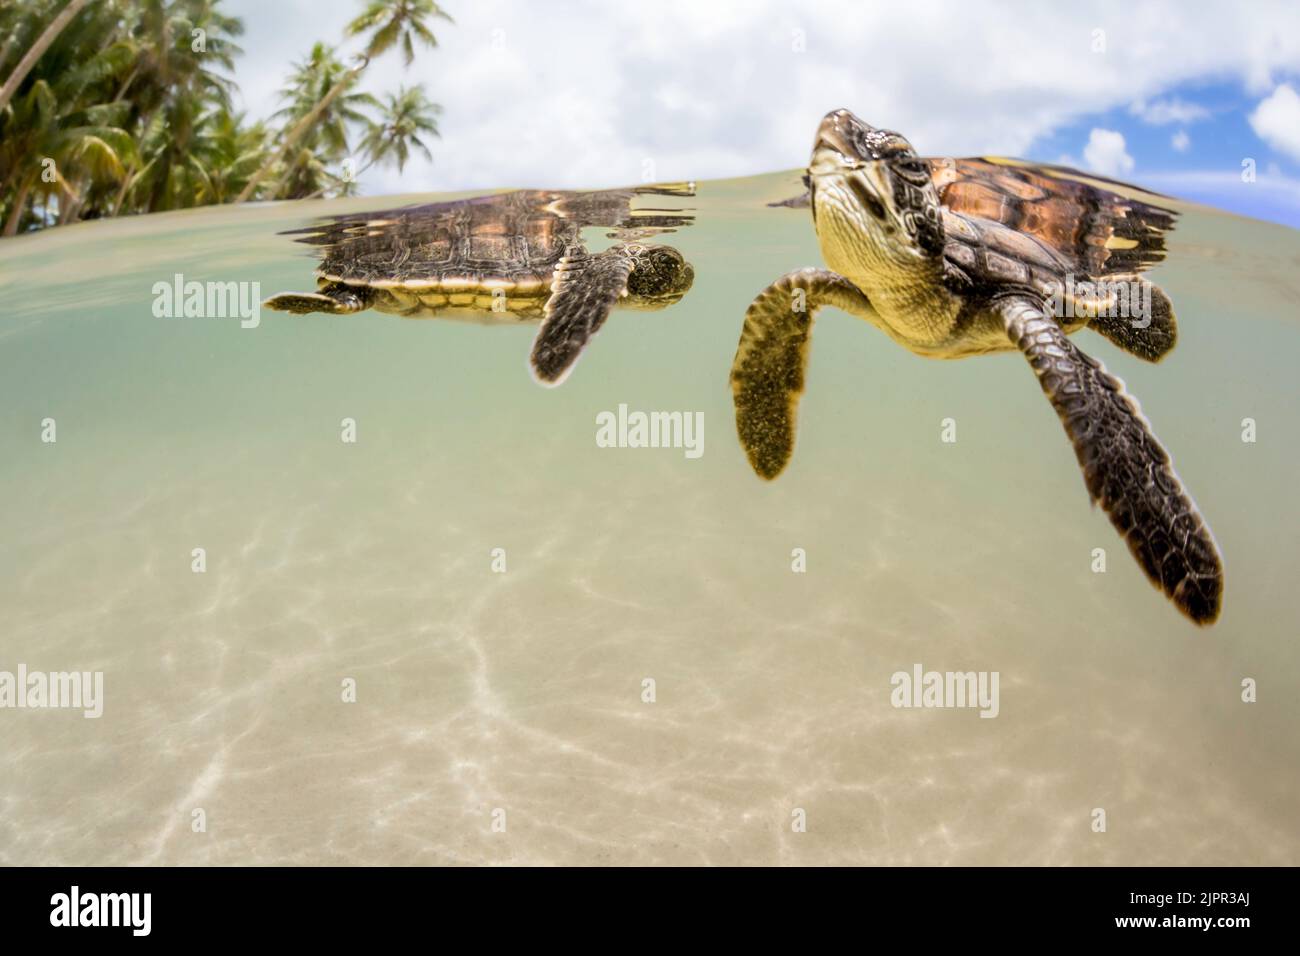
[(333, 299), (584, 290), (767, 374), (1124, 467), (1147, 328)]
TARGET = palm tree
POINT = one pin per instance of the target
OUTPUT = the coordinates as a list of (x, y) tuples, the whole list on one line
[(393, 22), (398, 22), (404, 116), (169, 82), (228, 154), (81, 142), (303, 172), (121, 114), (38, 48), (58, 138)]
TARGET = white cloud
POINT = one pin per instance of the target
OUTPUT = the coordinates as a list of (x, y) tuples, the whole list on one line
[(720, 88), (1180, 141), (1163, 112), (1106, 153), (1277, 120)]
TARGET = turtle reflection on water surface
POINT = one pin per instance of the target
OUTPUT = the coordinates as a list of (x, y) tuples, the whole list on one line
[(516, 256)]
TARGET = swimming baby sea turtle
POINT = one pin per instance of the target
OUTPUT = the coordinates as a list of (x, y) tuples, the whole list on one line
[(952, 258), (512, 257)]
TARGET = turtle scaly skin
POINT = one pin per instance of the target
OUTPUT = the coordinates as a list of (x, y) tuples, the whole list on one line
[(952, 258)]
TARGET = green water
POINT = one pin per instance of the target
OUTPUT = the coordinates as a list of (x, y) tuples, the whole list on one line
[(479, 692)]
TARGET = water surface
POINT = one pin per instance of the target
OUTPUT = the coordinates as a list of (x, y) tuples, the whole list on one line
[(522, 691)]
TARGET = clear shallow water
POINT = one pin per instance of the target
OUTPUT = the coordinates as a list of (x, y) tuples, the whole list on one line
[(522, 690)]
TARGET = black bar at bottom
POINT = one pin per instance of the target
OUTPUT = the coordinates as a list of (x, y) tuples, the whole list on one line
[(333, 905)]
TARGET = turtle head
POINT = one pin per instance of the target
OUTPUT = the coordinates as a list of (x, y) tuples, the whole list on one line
[(873, 202), (660, 276)]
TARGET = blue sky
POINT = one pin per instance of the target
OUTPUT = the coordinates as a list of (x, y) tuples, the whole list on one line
[(1192, 142), (589, 93)]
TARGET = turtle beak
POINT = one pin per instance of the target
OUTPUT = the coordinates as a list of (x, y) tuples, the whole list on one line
[(835, 132), (835, 146)]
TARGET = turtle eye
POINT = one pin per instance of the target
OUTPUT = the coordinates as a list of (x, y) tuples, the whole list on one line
[(912, 169)]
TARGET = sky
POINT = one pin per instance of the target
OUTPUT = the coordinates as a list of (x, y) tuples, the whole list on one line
[(1195, 99)]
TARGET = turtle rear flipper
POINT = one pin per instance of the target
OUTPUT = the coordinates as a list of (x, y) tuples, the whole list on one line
[(1149, 337), (583, 292), (1124, 467), (336, 301)]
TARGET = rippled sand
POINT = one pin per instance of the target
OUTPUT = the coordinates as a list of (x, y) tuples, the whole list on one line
[(522, 691)]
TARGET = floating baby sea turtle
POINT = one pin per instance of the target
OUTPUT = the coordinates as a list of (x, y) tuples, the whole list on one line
[(515, 256), (952, 258)]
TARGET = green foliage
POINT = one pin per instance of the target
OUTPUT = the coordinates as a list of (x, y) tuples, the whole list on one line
[(397, 23), (403, 117), (128, 110)]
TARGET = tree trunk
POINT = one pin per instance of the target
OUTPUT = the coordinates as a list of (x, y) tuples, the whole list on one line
[(121, 193), (20, 204), (146, 120), (39, 47), (298, 130), (70, 202)]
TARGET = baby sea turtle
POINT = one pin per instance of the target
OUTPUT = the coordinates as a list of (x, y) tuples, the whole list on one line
[(515, 256), (952, 258)]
